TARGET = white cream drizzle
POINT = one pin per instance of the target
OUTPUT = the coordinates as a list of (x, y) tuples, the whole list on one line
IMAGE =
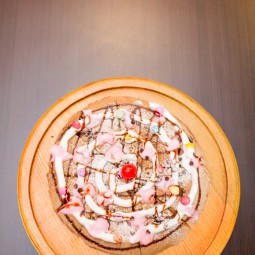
[(186, 157), (59, 161)]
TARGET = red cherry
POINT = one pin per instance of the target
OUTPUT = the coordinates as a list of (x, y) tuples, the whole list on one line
[(185, 200), (76, 124), (128, 171)]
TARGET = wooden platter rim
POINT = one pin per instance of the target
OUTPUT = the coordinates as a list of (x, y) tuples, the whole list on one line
[(197, 105)]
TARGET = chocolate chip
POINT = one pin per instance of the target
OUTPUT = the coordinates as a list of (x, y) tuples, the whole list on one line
[(166, 178), (80, 190), (75, 185), (190, 138), (132, 121), (191, 163), (148, 231), (146, 158), (180, 151), (141, 150)]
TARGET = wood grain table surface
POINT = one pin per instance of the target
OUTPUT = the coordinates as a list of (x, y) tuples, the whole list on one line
[(50, 47)]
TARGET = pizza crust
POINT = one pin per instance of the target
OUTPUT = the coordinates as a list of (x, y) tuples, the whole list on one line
[(163, 240)]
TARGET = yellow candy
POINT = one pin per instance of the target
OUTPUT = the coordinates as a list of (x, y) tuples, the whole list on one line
[(128, 137), (190, 145), (175, 190)]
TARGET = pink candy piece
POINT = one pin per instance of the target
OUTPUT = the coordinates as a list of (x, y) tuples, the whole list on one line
[(114, 154), (147, 196), (62, 191), (149, 151), (76, 124), (104, 138), (185, 200)]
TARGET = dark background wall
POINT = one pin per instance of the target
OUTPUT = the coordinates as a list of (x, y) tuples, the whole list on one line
[(50, 47)]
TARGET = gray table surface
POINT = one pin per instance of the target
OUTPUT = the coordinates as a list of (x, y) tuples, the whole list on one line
[(48, 48)]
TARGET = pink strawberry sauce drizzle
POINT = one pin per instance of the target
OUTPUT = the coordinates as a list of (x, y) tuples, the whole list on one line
[(105, 198), (127, 120), (142, 235), (138, 221), (160, 168), (160, 110), (173, 144), (95, 118), (82, 155), (58, 151), (100, 225), (159, 115), (76, 124), (149, 151), (114, 154), (73, 206), (186, 209), (104, 138), (147, 196), (195, 217), (164, 183), (90, 189), (196, 162), (62, 190)]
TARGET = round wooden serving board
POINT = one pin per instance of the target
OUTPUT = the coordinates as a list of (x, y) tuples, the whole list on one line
[(45, 229)]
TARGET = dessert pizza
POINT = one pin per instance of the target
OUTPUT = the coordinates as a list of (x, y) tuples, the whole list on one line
[(127, 178)]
